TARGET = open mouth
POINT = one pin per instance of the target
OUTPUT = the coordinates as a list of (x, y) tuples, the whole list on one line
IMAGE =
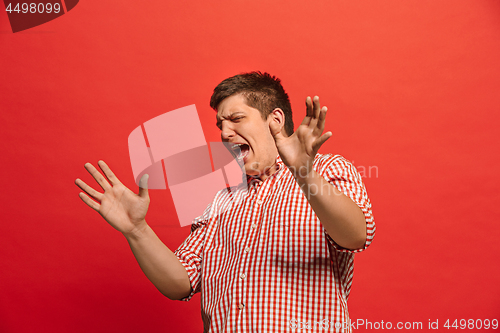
[(239, 150)]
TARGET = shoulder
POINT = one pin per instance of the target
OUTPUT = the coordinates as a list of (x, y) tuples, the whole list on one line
[(336, 166), (331, 160), (327, 158)]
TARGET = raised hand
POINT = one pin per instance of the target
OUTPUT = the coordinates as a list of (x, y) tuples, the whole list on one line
[(298, 150), (119, 206)]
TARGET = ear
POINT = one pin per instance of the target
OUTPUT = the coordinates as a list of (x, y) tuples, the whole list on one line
[(276, 120)]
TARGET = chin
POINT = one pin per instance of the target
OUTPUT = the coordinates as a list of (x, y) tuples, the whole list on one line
[(251, 172), (252, 168)]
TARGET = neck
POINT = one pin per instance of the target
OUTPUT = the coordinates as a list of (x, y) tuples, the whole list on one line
[(267, 172)]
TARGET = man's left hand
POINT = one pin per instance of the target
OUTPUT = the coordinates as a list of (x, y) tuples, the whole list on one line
[(298, 150)]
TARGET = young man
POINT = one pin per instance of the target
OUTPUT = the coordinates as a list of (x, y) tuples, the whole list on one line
[(281, 258)]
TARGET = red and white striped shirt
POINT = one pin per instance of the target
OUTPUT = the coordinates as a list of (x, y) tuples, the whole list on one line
[(265, 263)]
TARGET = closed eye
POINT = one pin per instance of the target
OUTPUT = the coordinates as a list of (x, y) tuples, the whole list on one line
[(233, 119)]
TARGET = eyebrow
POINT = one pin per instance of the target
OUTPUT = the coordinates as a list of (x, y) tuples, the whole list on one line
[(219, 119)]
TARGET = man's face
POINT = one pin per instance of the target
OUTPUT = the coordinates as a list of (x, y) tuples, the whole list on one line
[(242, 127)]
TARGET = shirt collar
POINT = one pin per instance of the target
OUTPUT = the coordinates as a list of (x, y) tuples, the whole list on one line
[(279, 171)]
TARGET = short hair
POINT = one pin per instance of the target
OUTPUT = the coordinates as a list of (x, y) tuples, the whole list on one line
[(260, 90)]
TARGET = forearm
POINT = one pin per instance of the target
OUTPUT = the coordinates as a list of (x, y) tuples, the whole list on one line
[(159, 263), (341, 217)]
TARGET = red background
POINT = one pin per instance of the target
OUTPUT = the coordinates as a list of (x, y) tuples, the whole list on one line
[(412, 87)]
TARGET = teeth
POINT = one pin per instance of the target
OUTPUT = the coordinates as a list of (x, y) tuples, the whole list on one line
[(241, 155)]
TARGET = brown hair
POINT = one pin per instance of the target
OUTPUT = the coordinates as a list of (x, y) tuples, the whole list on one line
[(261, 91)]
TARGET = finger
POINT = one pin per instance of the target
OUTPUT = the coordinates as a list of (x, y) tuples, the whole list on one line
[(309, 107), (322, 113), (309, 111), (143, 186), (316, 112), (320, 125), (88, 190), (99, 178), (91, 203), (316, 107), (113, 180), (322, 139), (306, 121)]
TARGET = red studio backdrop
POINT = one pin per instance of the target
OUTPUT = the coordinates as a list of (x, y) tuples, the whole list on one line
[(413, 90)]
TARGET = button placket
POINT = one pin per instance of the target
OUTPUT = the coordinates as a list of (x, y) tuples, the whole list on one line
[(242, 276)]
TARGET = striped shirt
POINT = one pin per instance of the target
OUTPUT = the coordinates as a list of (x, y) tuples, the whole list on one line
[(263, 261)]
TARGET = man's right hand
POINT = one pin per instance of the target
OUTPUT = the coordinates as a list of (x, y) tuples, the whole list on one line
[(126, 212), (119, 206)]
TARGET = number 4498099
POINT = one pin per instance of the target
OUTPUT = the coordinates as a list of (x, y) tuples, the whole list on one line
[(34, 8), (472, 324)]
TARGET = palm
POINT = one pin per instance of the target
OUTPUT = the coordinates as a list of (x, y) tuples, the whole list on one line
[(298, 150), (118, 205)]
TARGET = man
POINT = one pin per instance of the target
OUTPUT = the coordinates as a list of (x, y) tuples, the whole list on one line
[(281, 258)]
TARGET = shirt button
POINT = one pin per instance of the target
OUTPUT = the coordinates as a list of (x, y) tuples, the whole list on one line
[(259, 202), (247, 250), (254, 226), (242, 276), (241, 306)]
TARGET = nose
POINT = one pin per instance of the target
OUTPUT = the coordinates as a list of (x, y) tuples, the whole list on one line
[(226, 131)]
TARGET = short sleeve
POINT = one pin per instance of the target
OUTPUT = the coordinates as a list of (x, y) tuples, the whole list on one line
[(189, 254), (342, 174)]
